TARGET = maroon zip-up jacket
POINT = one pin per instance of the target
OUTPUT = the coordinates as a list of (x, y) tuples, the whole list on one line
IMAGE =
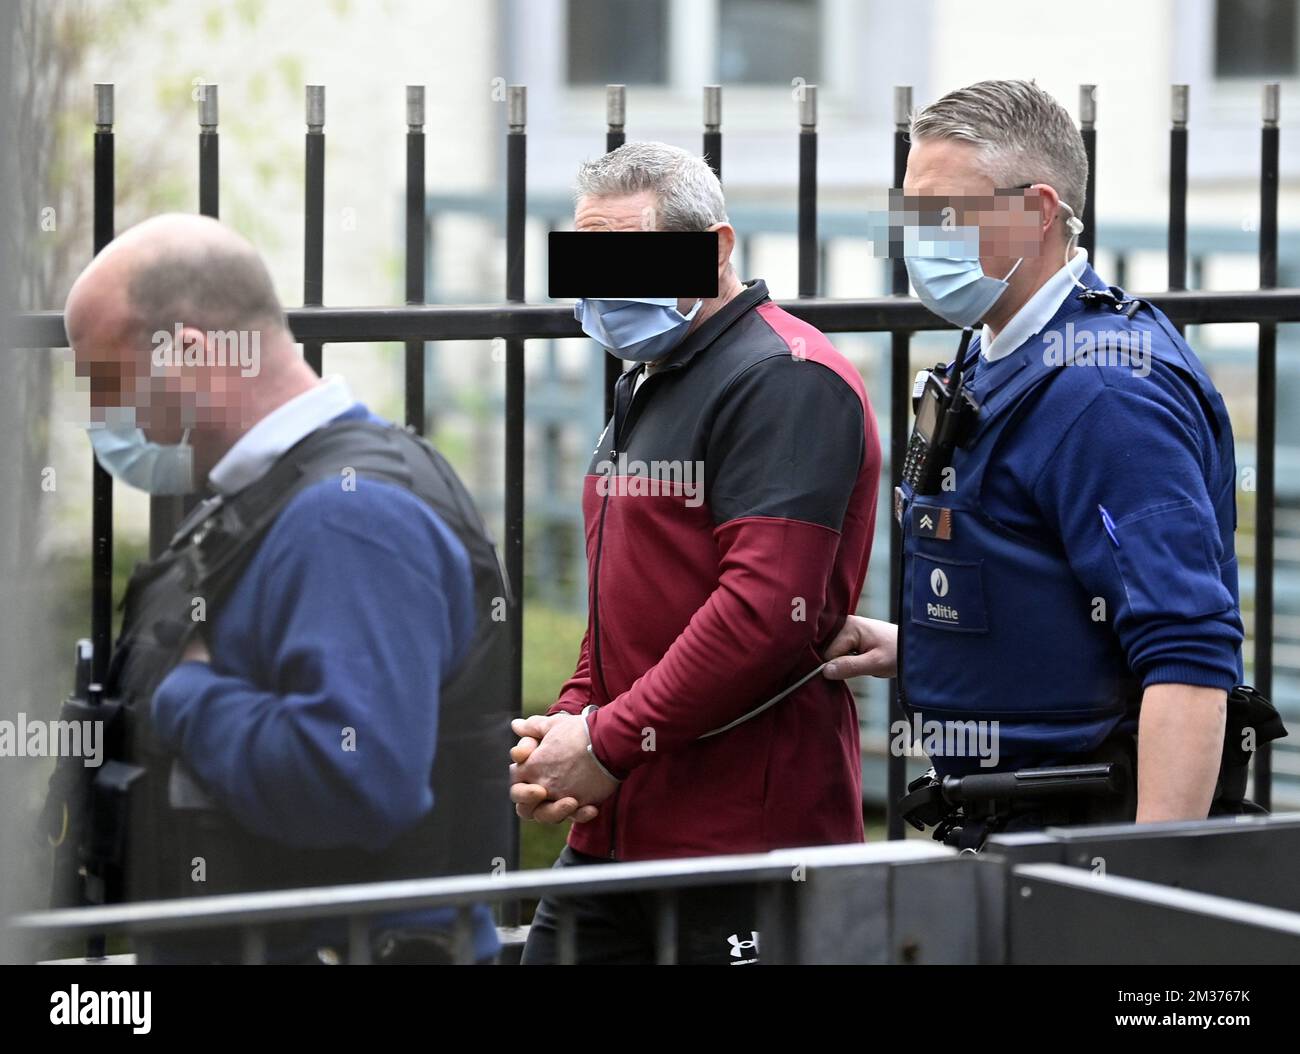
[(729, 509)]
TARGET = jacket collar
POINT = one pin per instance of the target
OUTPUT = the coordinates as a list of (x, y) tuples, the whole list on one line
[(258, 448), (753, 294), (1037, 311)]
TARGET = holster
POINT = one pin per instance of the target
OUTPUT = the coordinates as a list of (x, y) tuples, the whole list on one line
[(1251, 720), (965, 810)]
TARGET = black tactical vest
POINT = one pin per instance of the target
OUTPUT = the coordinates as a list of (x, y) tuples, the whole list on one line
[(161, 820)]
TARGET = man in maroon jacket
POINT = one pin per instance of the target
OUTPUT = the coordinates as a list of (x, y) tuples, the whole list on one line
[(729, 510)]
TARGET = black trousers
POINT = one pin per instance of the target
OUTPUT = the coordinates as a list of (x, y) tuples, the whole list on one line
[(714, 926)]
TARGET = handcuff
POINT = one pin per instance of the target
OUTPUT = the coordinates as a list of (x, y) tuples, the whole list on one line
[(590, 750)]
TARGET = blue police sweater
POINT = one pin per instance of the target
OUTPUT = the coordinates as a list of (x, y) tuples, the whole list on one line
[(1141, 446), (356, 607)]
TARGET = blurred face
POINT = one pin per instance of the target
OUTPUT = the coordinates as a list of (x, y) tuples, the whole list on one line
[(955, 191), (639, 212), (126, 370)]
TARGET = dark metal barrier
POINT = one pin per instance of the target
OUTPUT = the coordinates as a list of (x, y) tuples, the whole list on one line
[(1218, 891), (825, 903), (1247, 858), (1167, 893)]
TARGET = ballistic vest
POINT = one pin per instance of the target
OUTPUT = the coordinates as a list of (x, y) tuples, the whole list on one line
[(165, 816), (993, 625)]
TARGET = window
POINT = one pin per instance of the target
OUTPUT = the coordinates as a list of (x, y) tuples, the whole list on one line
[(1255, 38), (739, 42), (618, 41), (769, 41)]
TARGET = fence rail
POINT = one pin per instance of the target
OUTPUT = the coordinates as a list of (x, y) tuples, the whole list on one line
[(351, 325), (516, 322)]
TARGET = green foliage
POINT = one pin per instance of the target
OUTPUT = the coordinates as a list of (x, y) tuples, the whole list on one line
[(249, 11), (551, 642), (540, 844), (289, 68), (452, 443), (71, 575), (214, 21)]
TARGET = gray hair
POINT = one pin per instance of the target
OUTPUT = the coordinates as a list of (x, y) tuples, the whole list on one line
[(1023, 135), (690, 196)]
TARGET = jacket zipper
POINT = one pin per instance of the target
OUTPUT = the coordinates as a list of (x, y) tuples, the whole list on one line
[(595, 595), (595, 639), (624, 381)]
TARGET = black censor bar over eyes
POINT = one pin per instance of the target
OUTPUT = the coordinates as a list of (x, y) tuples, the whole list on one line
[(618, 264)]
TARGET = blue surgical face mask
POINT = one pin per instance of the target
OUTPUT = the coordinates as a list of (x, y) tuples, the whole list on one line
[(124, 451), (944, 267), (639, 329)]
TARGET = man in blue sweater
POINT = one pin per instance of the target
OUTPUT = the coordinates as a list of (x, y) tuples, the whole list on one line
[(308, 710), (1071, 581)]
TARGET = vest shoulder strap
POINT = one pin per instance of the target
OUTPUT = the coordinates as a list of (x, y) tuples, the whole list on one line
[(226, 539)]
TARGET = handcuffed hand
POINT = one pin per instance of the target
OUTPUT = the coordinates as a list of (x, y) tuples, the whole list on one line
[(553, 778)]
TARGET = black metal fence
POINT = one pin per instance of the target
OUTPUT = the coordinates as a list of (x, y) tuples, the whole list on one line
[(516, 322)]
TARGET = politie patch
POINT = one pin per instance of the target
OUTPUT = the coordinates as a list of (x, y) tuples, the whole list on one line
[(948, 594)]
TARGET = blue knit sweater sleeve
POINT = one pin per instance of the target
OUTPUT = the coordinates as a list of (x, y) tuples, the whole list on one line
[(1125, 490), (315, 722)]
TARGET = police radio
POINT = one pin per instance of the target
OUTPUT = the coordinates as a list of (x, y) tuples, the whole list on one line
[(945, 412)]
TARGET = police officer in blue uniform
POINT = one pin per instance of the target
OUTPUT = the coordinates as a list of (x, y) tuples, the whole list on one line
[(1069, 583)]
